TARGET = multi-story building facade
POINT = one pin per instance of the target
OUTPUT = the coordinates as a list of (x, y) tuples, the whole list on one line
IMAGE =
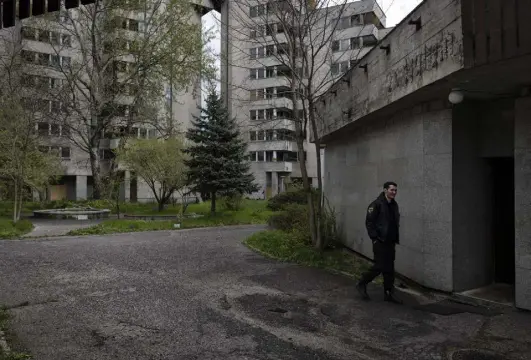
[(256, 86), (45, 49)]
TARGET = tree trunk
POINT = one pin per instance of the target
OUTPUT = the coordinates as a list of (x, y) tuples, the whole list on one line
[(320, 244), (20, 201), (161, 205), (96, 175), (213, 203), (15, 212)]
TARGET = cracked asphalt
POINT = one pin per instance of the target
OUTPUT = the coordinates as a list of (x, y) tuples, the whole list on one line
[(201, 294)]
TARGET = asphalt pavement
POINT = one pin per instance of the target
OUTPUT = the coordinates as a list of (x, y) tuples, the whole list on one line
[(200, 294)]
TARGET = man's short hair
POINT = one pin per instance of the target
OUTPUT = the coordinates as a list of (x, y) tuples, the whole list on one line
[(388, 184)]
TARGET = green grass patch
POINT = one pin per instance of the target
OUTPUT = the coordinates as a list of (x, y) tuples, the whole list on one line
[(11, 230), (253, 212), (287, 246), (11, 340)]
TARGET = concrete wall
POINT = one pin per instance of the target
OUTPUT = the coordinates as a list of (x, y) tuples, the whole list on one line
[(472, 245), (413, 148), (416, 59), (481, 130), (522, 174)]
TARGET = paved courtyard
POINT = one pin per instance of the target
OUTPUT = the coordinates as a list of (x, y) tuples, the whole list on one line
[(200, 294)]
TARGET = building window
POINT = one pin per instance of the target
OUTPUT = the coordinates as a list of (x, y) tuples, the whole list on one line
[(257, 94), (55, 38), (42, 82), (261, 135), (55, 129), (133, 25), (55, 83), (65, 61), (28, 56), (56, 107), (28, 33), (143, 133), (270, 93), (342, 67), (354, 43), (369, 41), (334, 69), (252, 135), (65, 131), (44, 59), (43, 129), (252, 156), (260, 156), (66, 40), (257, 10), (269, 135), (356, 20), (65, 152), (44, 36)]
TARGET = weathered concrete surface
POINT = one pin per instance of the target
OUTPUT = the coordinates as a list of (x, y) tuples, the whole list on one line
[(416, 60), (200, 294), (414, 149)]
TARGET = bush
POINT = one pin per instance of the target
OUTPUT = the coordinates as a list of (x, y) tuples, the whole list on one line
[(232, 202), (294, 218), (296, 196)]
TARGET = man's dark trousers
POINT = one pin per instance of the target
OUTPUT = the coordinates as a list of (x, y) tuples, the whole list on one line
[(384, 263)]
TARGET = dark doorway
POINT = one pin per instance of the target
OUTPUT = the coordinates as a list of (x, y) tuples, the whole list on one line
[(502, 172)]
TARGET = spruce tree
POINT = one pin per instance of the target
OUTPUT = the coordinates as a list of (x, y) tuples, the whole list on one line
[(217, 162)]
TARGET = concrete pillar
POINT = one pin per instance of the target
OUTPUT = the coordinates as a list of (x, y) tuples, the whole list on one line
[(127, 186), (522, 179), (81, 187), (274, 155), (274, 183)]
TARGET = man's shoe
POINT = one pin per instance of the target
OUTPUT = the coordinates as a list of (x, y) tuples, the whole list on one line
[(390, 298), (362, 289)]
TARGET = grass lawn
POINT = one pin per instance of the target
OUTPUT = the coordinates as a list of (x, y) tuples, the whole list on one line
[(252, 212), (9, 338), (10, 230), (285, 246)]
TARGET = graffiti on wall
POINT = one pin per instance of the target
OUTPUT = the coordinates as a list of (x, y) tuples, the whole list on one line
[(444, 48)]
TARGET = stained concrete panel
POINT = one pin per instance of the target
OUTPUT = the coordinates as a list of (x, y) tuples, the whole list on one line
[(438, 272), (394, 150), (437, 238), (523, 288), (522, 172)]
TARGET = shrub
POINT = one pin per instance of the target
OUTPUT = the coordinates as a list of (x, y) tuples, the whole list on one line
[(232, 202), (294, 217), (296, 196)]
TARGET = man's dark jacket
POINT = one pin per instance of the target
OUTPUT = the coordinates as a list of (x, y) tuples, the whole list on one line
[(379, 218)]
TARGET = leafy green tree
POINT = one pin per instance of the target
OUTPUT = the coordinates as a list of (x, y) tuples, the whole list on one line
[(217, 163), (160, 163), (22, 164)]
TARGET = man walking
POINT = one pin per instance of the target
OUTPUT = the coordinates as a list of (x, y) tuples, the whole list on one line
[(382, 222)]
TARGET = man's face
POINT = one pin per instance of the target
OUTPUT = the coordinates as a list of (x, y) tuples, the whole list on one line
[(391, 192)]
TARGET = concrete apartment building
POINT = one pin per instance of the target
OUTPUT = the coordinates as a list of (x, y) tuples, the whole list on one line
[(256, 87), (40, 40), (444, 109)]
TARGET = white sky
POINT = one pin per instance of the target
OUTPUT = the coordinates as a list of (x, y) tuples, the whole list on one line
[(395, 11)]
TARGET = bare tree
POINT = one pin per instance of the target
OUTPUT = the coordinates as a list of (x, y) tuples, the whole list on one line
[(112, 62), (302, 41)]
